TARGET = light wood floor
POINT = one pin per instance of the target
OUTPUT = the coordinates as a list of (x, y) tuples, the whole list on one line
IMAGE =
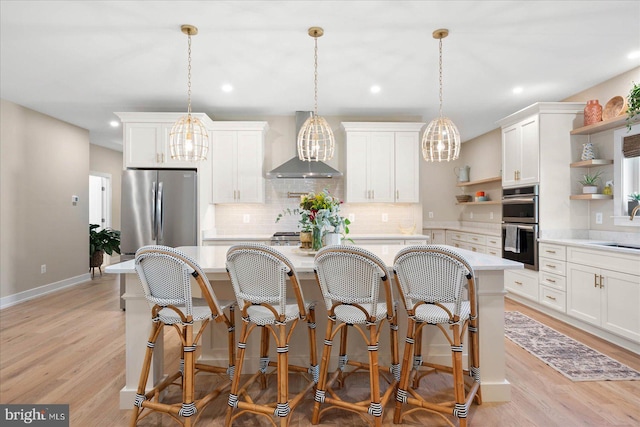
[(68, 347)]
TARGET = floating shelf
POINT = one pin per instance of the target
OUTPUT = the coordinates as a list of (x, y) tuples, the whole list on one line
[(480, 181), (489, 202), (615, 122), (592, 162), (591, 196)]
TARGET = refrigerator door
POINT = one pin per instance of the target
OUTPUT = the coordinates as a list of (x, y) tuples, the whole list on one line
[(177, 208), (138, 209)]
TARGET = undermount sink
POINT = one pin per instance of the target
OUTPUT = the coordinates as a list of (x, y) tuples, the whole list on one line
[(619, 245)]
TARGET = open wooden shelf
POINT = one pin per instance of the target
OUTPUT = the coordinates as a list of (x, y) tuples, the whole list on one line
[(591, 196), (480, 181), (488, 202), (615, 122), (589, 163)]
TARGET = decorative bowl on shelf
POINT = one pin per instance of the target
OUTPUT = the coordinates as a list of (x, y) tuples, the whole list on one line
[(481, 198), (616, 106), (463, 198)]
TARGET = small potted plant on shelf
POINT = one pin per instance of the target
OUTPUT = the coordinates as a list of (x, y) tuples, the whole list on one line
[(106, 240), (634, 200), (633, 104), (590, 183)]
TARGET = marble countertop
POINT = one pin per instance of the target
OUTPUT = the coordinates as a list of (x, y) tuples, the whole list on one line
[(266, 237), (466, 229), (594, 244)]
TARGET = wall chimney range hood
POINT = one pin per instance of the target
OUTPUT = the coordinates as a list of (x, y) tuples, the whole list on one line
[(296, 168)]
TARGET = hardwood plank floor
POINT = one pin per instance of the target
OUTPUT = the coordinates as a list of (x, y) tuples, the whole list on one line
[(68, 347)]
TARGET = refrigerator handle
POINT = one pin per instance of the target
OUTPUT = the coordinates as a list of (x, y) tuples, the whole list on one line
[(159, 217), (154, 226)]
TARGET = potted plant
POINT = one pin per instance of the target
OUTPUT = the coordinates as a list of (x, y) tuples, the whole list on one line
[(590, 183), (633, 104), (304, 223), (634, 200), (106, 240)]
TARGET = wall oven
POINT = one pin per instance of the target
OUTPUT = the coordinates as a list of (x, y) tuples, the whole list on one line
[(520, 225)]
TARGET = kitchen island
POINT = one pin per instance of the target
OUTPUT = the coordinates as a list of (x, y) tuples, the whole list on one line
[(489, 271)]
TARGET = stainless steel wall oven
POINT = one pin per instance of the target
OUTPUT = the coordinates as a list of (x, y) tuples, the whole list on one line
[(520, 225)]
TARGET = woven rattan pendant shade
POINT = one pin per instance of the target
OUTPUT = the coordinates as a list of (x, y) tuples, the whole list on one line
[(188, 139), (315, 139), (441, 140)]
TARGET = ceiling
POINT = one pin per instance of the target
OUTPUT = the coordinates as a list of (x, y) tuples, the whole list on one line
[(82, 61)]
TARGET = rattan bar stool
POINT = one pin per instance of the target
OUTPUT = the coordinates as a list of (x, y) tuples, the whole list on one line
[(259, 276), (166, 275), (431, 280), (350, 278)]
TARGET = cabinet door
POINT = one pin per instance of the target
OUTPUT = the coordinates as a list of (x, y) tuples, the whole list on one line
[(407, 164), (249, 153), (357, 191), (584, 293), (437, 237), (223, 166), (141, 145), (530, 155), (380, 166), (510, 155), (620, 302)]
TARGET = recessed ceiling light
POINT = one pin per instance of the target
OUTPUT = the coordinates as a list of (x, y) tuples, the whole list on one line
[(633, 55), (518, 89), (227, 88), (114, 123), (375, 89)]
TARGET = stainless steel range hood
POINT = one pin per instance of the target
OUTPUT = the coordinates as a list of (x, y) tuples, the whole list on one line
[(296, 168)]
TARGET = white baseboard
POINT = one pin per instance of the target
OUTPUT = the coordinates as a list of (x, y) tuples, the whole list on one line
[(14, 299)]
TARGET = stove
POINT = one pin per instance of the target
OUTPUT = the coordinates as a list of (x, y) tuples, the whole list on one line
[(285, 238)]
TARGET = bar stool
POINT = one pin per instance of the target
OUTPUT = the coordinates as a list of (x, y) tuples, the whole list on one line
[(350, 278), (166, 275), (431, 280), (259, 276)]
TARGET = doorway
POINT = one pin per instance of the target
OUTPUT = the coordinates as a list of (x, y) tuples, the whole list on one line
[(100, 202)]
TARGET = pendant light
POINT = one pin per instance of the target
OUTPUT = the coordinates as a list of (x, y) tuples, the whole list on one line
[(441, 140), (315, 139), (188, 138)]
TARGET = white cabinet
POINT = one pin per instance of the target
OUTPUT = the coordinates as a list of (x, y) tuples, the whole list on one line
[(553, 270), (603, 289), (522, 282), (436, 237), (382, 162), (521, 153), (481, 243), (237, 152), (146, 139)]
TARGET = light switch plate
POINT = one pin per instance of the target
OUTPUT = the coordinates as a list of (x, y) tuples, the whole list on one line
[(246, 218), (598, 217), (385, 217)]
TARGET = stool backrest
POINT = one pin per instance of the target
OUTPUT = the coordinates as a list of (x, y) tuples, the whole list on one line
[(433, 274), (259, 275), (166, 275), (351, 275)]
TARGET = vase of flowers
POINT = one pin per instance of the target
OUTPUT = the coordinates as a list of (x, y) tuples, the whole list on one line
[(323, 211)]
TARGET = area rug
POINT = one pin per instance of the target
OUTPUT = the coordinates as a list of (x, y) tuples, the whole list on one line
[(571, 358)]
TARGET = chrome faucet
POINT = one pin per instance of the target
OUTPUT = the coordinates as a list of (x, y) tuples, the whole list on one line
[(634, 212)]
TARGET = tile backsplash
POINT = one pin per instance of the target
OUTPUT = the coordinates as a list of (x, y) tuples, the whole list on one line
[(368, 217)]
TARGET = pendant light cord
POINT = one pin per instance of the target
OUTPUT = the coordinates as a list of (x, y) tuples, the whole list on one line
[(189, 79), (440, 80), (315, 76)]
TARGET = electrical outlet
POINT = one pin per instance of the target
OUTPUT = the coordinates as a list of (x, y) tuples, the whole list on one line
[(430, 214), (352, 217), (246, 218), (598, 217), (385, 217), (490, 215), (470, 215), (43, 268)]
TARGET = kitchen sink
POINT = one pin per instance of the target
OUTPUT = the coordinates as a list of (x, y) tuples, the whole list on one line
[(619, 245)]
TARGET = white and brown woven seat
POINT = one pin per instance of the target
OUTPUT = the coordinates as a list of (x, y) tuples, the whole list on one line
[(350, 279), (259, 275), (167, 276), (432, 281)]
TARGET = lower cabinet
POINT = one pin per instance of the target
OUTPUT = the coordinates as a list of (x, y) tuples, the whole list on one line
[(522, 282), (606, 298), (474, 242), (553, 270)]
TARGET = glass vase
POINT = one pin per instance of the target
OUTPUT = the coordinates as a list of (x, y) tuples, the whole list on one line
[(316, 242)]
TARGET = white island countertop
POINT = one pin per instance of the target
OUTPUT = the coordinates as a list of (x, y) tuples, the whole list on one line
[(267, 237)]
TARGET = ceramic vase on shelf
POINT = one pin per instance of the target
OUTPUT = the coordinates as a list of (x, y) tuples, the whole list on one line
[(588, 152), (592, 112)]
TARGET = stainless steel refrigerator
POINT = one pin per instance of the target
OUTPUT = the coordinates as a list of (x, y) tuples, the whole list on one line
[(159, 207)]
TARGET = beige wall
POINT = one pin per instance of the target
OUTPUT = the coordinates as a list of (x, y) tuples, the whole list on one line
[(43, 162), (107, 161)]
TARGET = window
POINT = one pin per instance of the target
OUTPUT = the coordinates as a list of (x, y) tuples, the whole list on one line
[(626, 177)]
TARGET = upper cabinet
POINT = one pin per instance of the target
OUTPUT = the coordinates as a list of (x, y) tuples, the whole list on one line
[(146, 139), (383, 160), (237, 153), (521, 153)]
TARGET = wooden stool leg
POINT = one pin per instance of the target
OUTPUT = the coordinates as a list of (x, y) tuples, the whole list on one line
[(417, 356), (324, 367), (282, 407), (458, 377), (405, 371), (343, 356), (314, 370), (235, 384), (144, 374), (375, 407), (264, 355)]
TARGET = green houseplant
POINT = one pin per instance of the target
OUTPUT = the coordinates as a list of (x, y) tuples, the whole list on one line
[(633, 104), (634, 200), (106, 240), (590, 182)]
